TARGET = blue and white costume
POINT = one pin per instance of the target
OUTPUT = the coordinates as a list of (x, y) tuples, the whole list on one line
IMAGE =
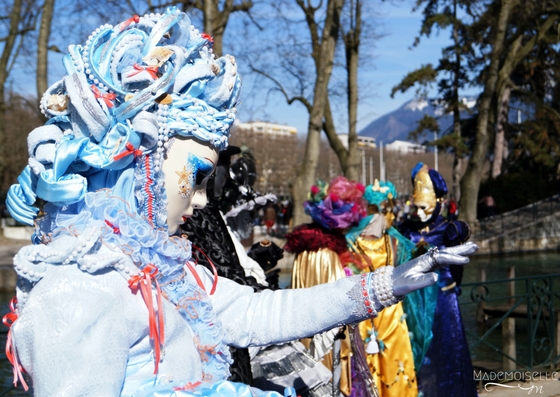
[(108, 304), (82, 331)]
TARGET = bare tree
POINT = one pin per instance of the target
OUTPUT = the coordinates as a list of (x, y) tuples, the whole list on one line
[(21, 20), (349, 158), (216, 18), (471, 180), (43, 47), (506, 53), (499, 138), (322, 25)]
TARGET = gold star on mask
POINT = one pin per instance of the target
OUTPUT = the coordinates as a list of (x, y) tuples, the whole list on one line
[(184, 176)]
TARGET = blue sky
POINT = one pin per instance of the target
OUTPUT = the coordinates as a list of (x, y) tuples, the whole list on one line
[(393, 59)]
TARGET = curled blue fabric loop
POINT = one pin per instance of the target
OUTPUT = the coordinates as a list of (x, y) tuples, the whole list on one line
[(106, 154), (18, 209), (61, 191), (87, 110), (100, 52), (21, 197), (60, 120), (68, 151), (27, 181), (192, 74)]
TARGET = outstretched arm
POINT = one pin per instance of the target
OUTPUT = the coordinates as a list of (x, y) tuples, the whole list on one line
[(279, 316)]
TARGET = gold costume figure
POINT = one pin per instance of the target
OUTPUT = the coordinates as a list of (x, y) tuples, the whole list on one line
[(393, 367), (320, 248)]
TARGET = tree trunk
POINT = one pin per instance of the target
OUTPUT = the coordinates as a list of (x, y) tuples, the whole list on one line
[(470, 183), (458, 157), (499, 139), (42, 48), (352, 44), (216, 20), (208, 10), (15, 17), (349, 158), (325, 60), (334, 141)]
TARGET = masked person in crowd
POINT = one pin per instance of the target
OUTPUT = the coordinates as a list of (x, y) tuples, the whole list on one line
[(109, 301), (386, 336), (443, 361)]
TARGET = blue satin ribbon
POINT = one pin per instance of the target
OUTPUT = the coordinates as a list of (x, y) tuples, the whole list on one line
[(21, 197)]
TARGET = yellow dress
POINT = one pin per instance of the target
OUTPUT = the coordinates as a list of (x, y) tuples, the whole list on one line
[(321, 267), (393, 367)]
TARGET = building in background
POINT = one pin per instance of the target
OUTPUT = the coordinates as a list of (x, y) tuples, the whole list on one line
[(277, 150), (363, 141), (405, 147), (263, 127)]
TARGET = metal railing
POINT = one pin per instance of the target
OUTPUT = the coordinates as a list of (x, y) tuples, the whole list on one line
[(498, 224), (525, 309)]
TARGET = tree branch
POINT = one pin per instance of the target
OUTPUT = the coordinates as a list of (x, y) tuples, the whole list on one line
[(279, 87), (332, 136), (244, 6)]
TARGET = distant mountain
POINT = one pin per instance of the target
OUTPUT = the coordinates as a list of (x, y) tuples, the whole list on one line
[(397, 124)]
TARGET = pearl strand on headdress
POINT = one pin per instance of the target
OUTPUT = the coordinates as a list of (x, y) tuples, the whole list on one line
[(163, 136), (91, 78)]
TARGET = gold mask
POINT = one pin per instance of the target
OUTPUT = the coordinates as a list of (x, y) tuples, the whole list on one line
[(424, 195)]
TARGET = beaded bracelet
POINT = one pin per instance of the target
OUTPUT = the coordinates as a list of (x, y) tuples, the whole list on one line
[(382, 285), (368, 302)]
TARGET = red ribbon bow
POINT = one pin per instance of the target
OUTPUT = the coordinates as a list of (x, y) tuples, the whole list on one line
[(116, 230), (143, 282), (129, 150), (11, 353), (106, 97), (206, 36), (133, 19), (152, 70)]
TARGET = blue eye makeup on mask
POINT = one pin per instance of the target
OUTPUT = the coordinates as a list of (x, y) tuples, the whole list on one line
[(201, 168), (193, 174)]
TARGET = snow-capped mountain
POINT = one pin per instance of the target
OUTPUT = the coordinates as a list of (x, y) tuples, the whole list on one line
[(397, 124)]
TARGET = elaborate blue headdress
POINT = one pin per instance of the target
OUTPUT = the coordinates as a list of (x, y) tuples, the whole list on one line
[(127, 92), (379, 192)]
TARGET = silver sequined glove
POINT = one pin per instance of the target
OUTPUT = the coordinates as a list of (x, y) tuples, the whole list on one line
[(390, 285)]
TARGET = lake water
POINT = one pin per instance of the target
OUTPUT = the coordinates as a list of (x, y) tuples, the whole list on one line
[(495, 267)]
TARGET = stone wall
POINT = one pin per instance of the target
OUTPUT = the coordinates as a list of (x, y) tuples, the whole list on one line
[(543, 235)]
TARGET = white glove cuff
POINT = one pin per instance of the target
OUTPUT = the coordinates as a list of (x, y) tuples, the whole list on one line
[(382, 286)]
